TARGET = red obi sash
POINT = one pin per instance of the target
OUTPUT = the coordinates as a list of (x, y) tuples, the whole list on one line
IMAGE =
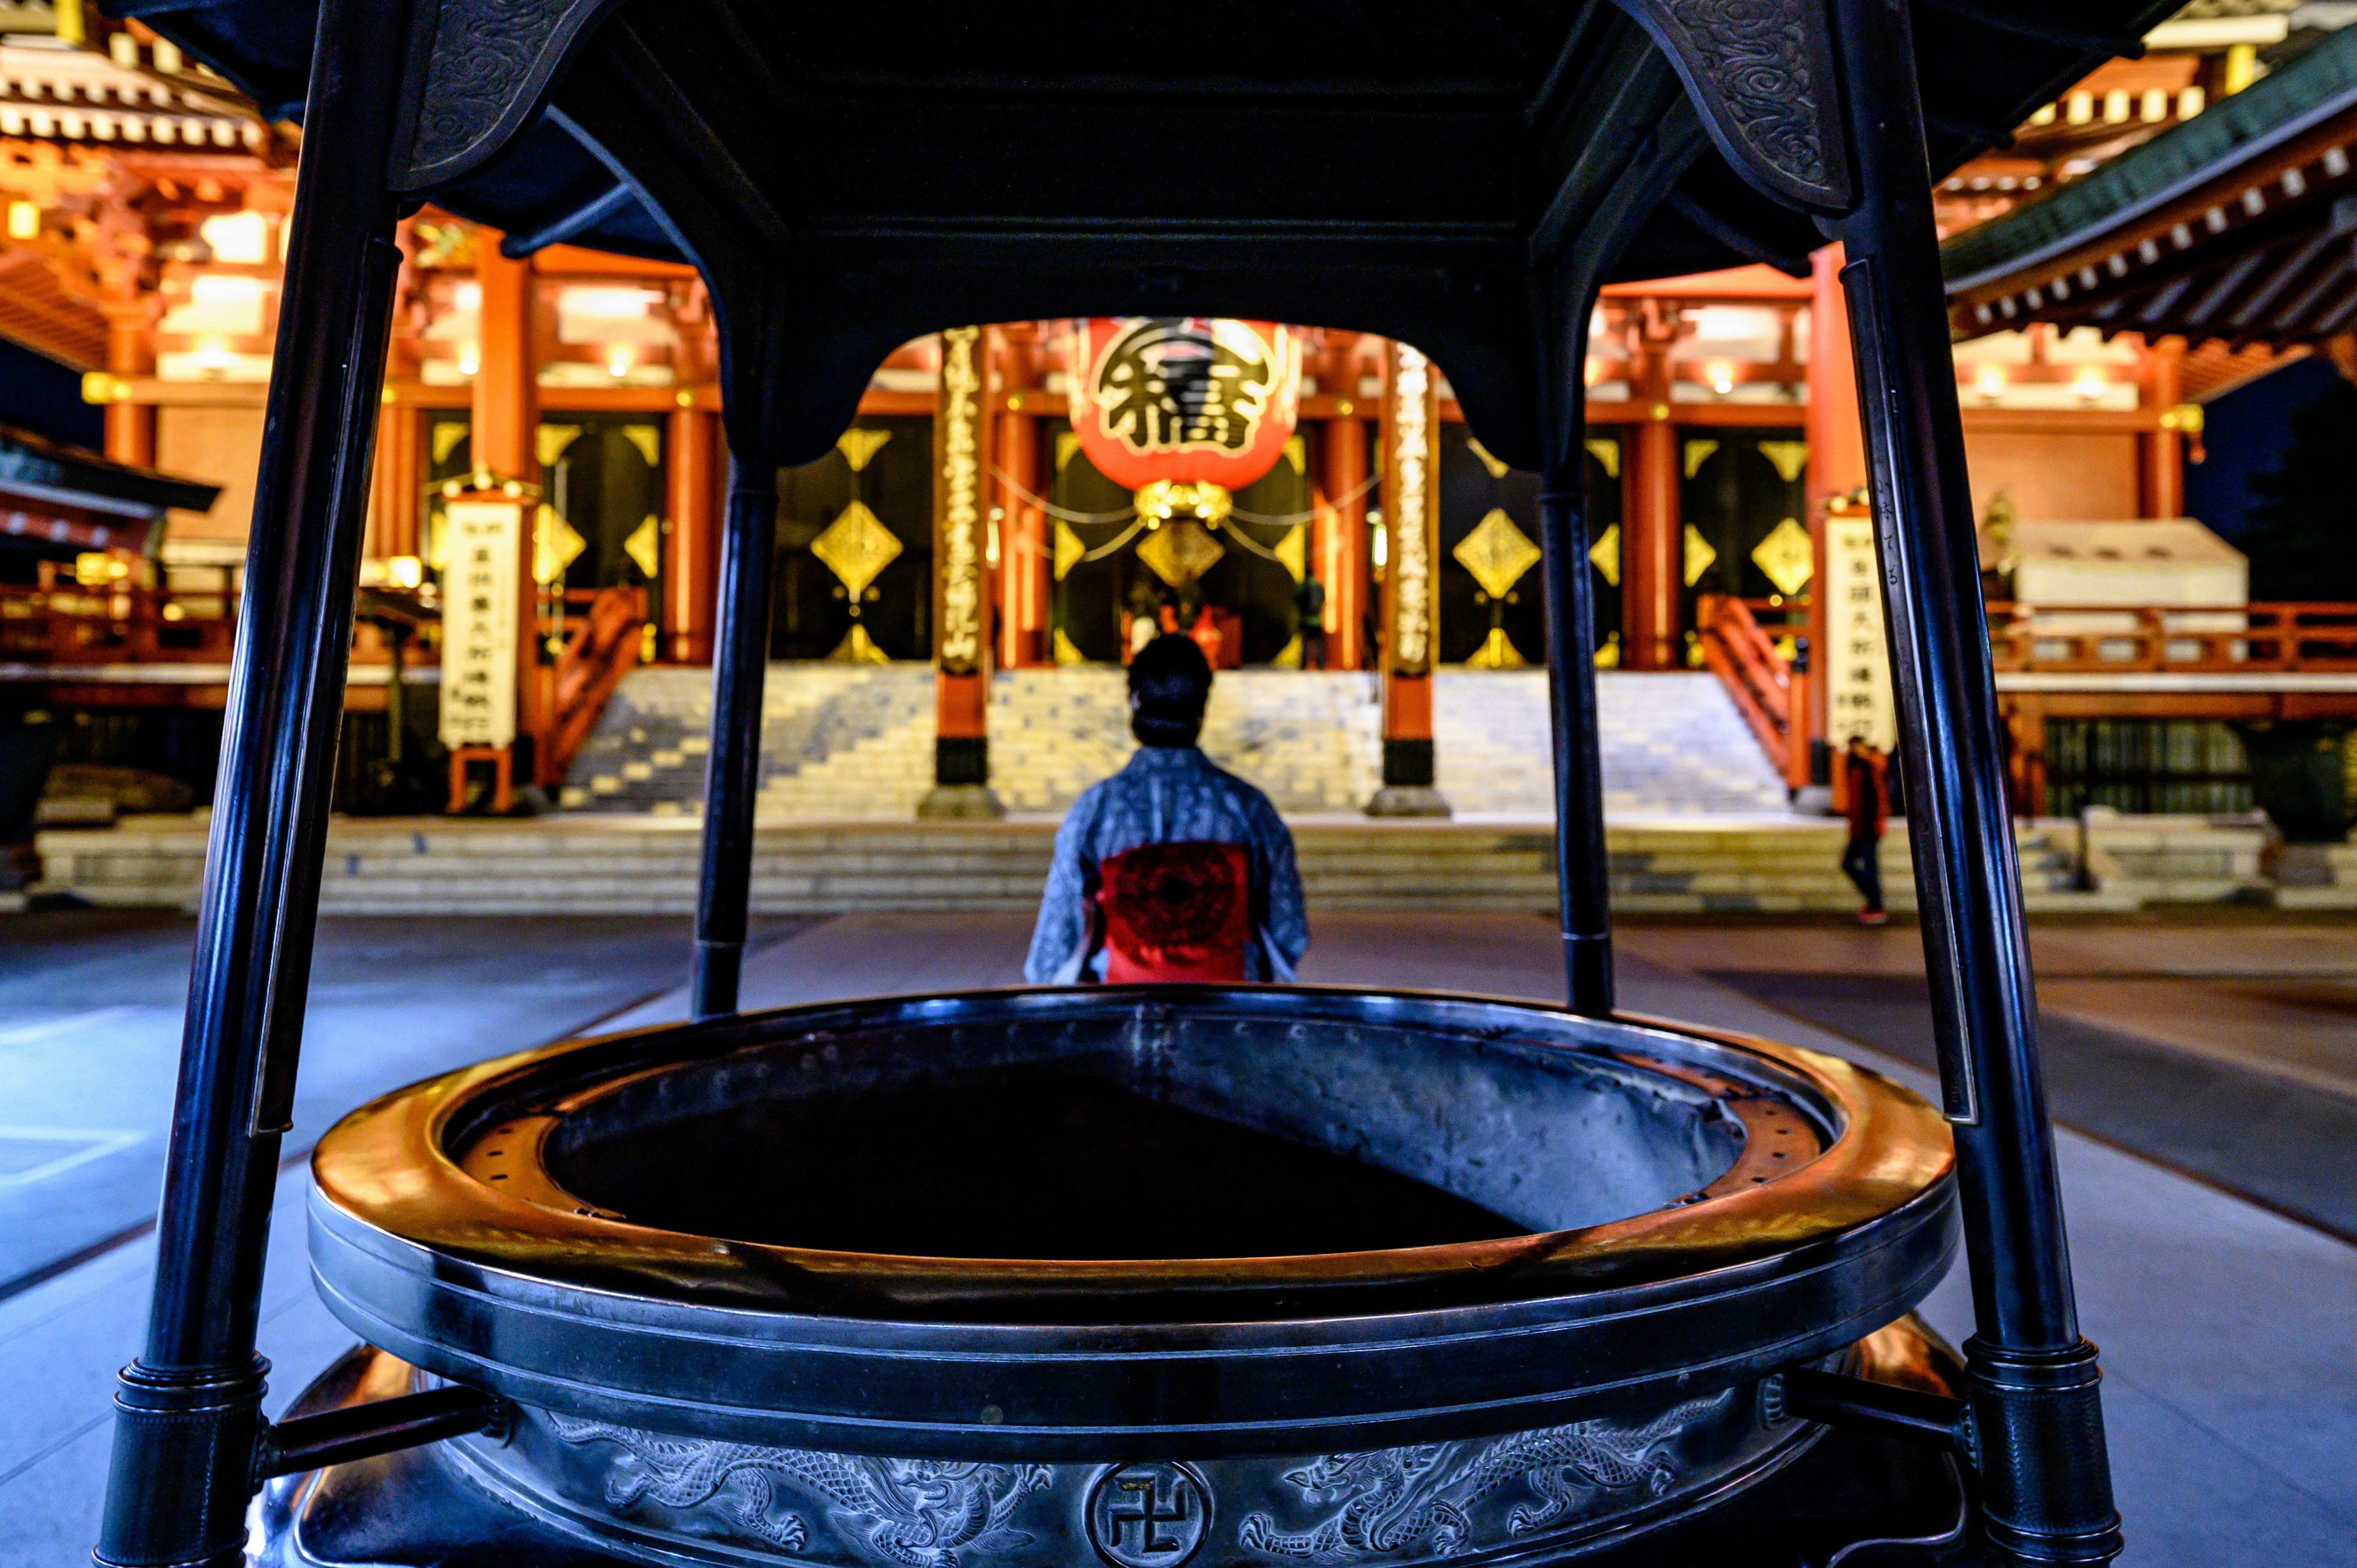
[(1175, 912)]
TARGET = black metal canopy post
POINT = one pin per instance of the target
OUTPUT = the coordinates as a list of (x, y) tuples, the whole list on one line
[(733, 771), (2033, 1390), (189, 1411), (1583, 871)]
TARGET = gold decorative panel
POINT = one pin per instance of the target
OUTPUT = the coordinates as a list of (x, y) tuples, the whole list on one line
[(1699, 555), (859, 447), (1179, 552), (648, 440), (1606, 451), (1606, 554), (1066, 444), (1497, 553), (1297, 453), (1786, 556), (959, 525), (1698, 452), (856, 547), (1069, 549), (1498, 469), (1410, 511), (1790, 459)]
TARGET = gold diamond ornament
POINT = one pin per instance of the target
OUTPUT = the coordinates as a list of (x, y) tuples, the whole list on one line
[(1498, 653), (644, 547), (1070, 550), (1180, 552), (1605, 553), (857, 548), (1699, 554), (1786, 557), (1293, 551), (1790, 459), (1496, 553), (556, 544), (858, 648), (859, 447)]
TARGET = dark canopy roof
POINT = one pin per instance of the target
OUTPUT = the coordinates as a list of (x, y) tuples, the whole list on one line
[(2240, 225), (849, 177)]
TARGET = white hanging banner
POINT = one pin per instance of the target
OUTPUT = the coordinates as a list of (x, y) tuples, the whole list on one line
[(1858, 667), (481, 606)]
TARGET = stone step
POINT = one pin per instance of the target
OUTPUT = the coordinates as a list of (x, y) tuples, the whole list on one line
[(581, 864)]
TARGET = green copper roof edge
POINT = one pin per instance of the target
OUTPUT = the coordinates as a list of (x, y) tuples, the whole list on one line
[(2275, 108)]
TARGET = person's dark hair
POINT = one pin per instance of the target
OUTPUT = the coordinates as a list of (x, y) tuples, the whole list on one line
[(1169, 682)]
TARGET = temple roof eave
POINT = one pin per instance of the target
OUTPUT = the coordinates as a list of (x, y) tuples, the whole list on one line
[(2049, 234)]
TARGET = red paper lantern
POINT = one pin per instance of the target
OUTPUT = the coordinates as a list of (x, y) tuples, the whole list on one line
[(1190, 398)]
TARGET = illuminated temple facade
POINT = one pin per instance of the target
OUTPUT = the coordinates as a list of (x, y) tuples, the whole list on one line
[(146, 206)]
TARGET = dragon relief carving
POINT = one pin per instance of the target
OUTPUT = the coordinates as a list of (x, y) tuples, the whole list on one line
[(919, 1512), (1423, 1497)]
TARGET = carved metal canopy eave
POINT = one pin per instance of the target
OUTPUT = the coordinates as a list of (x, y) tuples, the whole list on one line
[(478, 72), (1761, 73)]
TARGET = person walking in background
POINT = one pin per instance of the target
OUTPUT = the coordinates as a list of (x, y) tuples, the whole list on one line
[(1173, 869), (1309, 615), (1869, 809)]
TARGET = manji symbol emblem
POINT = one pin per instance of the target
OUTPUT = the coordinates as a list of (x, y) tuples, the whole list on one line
[(1149, 1515)]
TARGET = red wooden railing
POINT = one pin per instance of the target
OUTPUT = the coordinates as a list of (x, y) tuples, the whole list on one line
[(125, 624), (1771, 695), (601, 646), (116, 624), (2262, 639)]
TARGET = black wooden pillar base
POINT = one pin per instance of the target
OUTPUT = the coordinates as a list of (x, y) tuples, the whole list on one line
[(1409, 782), (961, 790)]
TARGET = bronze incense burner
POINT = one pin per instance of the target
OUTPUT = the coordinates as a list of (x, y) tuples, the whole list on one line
[(1126, 1273)]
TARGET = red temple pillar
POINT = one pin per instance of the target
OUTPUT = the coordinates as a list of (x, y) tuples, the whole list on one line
[(1343, 561), (691, 547), (1652, 542), (506, 419), (130, 351)]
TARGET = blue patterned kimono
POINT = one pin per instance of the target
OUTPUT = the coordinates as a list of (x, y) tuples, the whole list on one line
[(1169, 794)]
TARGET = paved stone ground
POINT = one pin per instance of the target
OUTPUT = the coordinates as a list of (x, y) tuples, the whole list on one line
[(2231, 1400)]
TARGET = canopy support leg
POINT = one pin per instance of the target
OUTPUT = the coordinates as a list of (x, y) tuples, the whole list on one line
[(1583, 870), (2033, 1377), (189, 1411), (732, 776)]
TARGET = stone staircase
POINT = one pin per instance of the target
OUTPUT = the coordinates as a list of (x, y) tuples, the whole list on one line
[(1673, 745), (851, 743)]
